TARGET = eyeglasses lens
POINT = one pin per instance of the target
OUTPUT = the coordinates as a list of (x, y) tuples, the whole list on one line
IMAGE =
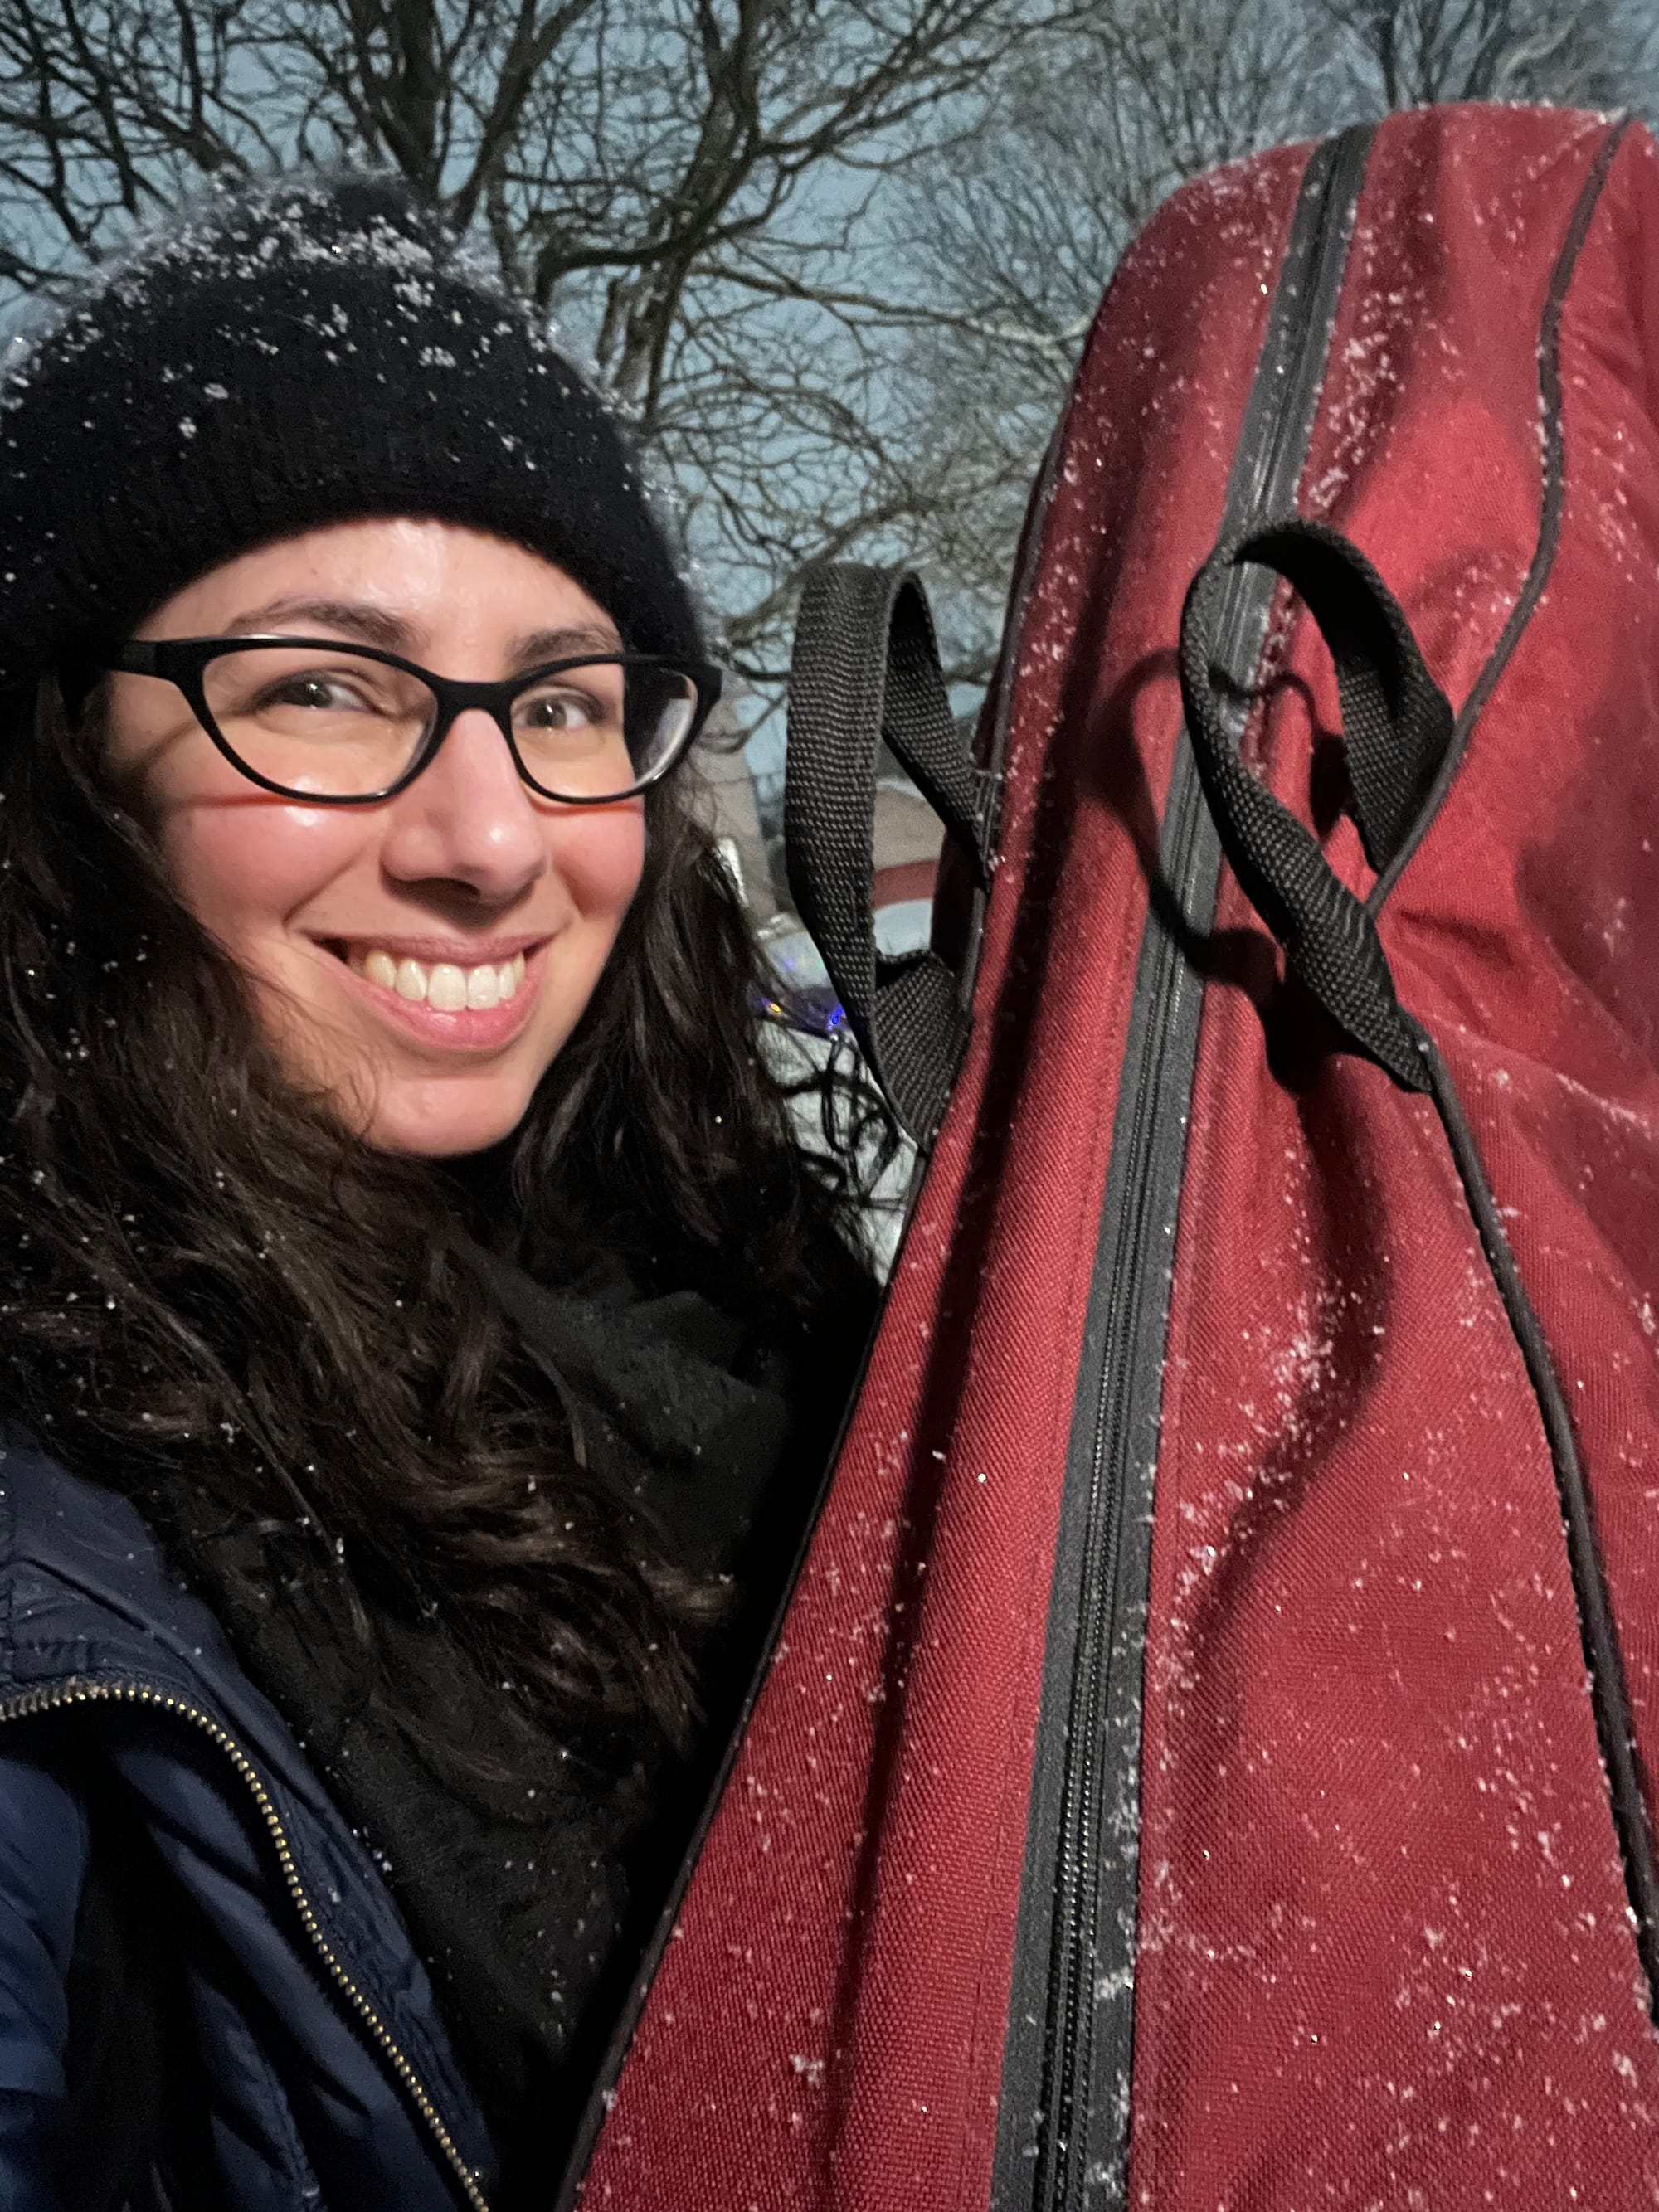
[(335, 724), (586, 733)]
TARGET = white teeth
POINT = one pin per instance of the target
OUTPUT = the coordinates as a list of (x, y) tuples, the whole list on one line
[(446, 988), (445, 985)]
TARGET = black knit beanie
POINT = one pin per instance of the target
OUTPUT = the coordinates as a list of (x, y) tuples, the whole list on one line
[(311, 352)]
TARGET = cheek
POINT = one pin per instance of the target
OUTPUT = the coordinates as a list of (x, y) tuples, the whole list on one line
[(242, 868), (599, 860)]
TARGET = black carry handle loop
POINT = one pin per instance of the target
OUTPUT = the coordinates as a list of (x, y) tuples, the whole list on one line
[(1396, 726), (865, 668)]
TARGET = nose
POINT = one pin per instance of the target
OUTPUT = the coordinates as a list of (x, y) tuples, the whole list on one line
[(469, 821)]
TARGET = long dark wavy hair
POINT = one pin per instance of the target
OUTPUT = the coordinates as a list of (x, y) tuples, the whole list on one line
[(213, 1292)]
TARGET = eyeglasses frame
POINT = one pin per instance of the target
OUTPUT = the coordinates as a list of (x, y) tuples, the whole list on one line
[(183, 662)]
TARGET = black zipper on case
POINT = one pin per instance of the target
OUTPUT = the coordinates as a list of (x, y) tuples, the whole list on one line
[(1063, 2127)]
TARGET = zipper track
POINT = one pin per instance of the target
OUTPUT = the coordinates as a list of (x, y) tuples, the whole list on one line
[(1064, 2132), (31, 1702), (1088, 2043)]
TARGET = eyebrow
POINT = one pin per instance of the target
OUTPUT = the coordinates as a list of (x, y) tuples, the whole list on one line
[(379, 626)]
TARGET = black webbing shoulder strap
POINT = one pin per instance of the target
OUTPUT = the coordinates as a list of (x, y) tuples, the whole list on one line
[(865, 668)]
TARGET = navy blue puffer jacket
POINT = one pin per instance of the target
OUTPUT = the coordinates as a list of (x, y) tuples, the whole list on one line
[(323, 2074)]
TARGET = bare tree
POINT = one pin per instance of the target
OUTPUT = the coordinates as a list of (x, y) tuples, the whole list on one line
[(1098, 121), (1014, 233), (1407, 53), (831, 258), (682, 184)]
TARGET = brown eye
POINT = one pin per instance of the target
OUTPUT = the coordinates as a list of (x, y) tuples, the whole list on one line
[(559, 710), (317, 693)]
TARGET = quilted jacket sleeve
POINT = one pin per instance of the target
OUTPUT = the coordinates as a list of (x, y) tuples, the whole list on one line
[(44, 1845)]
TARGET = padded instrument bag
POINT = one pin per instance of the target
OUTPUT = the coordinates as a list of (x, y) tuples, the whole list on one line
[(1206, 1760)]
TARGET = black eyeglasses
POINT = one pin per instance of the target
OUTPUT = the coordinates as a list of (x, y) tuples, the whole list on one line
[(344, 725)]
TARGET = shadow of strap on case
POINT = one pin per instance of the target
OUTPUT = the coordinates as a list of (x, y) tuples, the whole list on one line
[(866, 669)]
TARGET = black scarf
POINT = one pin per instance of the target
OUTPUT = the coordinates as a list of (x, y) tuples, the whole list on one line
[(530, 1897)]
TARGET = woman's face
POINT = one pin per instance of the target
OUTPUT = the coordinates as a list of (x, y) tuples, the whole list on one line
[(326, 906)]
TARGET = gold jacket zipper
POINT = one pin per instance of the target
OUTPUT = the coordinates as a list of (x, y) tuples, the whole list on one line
[(85, 1693)]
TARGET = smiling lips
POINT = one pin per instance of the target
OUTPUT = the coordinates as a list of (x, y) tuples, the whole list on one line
[(465, 1006), (443, 984)]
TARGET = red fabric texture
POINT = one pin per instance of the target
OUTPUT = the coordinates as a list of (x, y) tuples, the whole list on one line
[(1384, 1955)]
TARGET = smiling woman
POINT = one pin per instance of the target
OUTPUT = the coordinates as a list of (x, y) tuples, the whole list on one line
[(423, 1334), (423, 957)]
